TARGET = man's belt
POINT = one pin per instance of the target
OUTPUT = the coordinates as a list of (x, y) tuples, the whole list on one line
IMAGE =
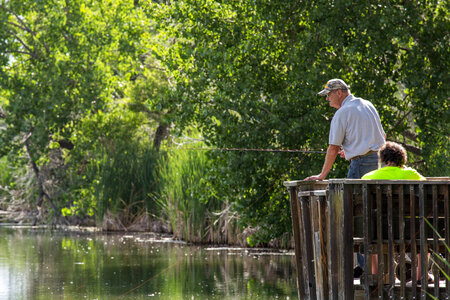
[(367, 154)]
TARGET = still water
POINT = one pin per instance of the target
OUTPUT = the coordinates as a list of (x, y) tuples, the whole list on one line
[(45, 264)]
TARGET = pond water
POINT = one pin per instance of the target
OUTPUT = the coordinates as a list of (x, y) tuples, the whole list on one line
[(46, 264)]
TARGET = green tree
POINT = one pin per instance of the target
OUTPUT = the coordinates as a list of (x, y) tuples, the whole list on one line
[(61, 62)]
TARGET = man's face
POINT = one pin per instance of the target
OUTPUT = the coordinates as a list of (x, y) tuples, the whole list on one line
[(334, 97)]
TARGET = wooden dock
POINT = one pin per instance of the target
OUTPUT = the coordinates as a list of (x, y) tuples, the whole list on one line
[(404, 223)]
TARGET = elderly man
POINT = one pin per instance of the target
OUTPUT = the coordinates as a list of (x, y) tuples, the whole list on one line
[(356, 127)]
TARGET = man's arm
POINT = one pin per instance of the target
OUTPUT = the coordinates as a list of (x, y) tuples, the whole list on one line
[(332, 152)]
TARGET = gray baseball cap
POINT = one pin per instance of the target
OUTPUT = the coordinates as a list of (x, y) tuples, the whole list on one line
[(333, 84)]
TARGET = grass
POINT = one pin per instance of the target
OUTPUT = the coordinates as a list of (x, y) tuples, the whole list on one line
[(127, 178), (189, 202)]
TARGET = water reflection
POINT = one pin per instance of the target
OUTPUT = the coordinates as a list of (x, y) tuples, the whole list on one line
[(41, 264)]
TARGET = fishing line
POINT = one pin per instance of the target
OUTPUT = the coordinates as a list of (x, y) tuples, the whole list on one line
[(256, 150), (145, 282)]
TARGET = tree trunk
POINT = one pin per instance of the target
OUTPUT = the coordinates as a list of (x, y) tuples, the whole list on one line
[(42, 193), (162, 132)]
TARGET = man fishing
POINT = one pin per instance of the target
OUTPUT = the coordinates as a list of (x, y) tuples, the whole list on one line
[(356, 127)]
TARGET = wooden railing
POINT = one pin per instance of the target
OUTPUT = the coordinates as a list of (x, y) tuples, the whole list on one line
[(392, 220)]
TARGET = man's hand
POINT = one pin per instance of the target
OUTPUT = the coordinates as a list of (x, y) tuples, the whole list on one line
[(315, 177), (332, 152), (341, 153)]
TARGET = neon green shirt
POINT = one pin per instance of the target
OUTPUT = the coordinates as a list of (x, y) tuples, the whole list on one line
[(394, 173)]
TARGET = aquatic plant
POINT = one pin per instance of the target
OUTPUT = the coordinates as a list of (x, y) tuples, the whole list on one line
[(189, 201)]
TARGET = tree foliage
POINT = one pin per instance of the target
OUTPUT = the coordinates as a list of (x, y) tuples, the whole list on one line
[(62, 63)]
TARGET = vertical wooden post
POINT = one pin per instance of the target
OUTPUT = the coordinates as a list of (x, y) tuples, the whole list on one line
[(320, 256), (307, 247), (447, 235), (347, 231), (380, 241), (423, 245), (341, 221), (293, 191), (333, 264), (390, 242), (412, 203), (435, 237), (401, 234), (366, 214), (323, 211)]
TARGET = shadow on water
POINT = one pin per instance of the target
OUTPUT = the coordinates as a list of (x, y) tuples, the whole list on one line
[(44, 264)]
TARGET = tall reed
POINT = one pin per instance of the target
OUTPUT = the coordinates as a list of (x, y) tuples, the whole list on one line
[(127, 178), (186, 197)]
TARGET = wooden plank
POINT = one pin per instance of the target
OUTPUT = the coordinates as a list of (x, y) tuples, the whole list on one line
[(435, 238), (447, 234), (323, 225), (296, 222), (308, 248), (380, 241), (319, 266), (390, 242), (401, 234), (366, 214), (333, 263), (423, 245), (347, 236), (412, 203)]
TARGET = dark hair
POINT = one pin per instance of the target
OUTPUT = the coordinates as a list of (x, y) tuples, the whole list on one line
[(393, 153)]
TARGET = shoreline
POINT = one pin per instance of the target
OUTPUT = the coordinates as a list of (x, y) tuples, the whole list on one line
[(153, 237)]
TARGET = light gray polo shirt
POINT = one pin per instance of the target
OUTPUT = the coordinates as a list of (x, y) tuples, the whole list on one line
[(356, 126)]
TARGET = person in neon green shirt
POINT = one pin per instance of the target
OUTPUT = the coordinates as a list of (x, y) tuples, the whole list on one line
[(393, 155)]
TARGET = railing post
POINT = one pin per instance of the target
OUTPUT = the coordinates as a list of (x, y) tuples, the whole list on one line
[(423, 245), (341, 241), (447, 235), (319, 227), (297, 231), (308, 253)]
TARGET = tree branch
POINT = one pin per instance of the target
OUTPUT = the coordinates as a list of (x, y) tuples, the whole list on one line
[(142, 108), (409, 135), (32, 53), (24, 27), (410, 148)]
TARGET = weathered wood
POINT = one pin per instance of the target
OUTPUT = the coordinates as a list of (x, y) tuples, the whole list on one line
[(366, 210), (324, 226), (320, 258), (380, 241), (334, 266), (308, 246), (435, 238), (297, 240), (412, 203), (401, 234), (447, 235), (423, 245), (390, 242), (387, 218), (347, 240)]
